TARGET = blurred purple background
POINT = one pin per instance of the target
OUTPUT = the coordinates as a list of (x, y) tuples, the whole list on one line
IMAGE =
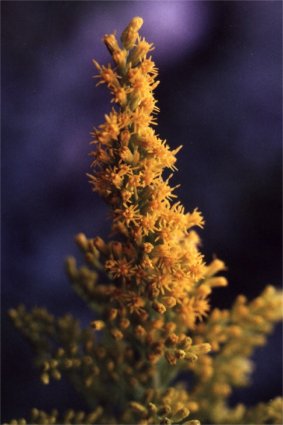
[(220, 97)]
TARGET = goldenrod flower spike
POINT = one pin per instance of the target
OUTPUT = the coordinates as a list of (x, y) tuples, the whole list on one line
[(148, 286)]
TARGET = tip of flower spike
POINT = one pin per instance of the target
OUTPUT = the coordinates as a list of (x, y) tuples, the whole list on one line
[(136, 23), (130, 33)]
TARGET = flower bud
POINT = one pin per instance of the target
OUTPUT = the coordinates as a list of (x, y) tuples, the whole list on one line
[(45, 378), (181, 414), (137, 407), (117, 334), (169, 301), (82, 241), (214, 267), (130, 33), (111, 42), (120, 57), (124, 323), (100, 245), (160, 308), (97, 325), (112, 314)]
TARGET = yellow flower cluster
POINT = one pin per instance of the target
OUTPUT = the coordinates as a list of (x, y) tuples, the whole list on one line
[(155, 263), (149, 287), (40, 417), (173, 406), (233, 334)]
